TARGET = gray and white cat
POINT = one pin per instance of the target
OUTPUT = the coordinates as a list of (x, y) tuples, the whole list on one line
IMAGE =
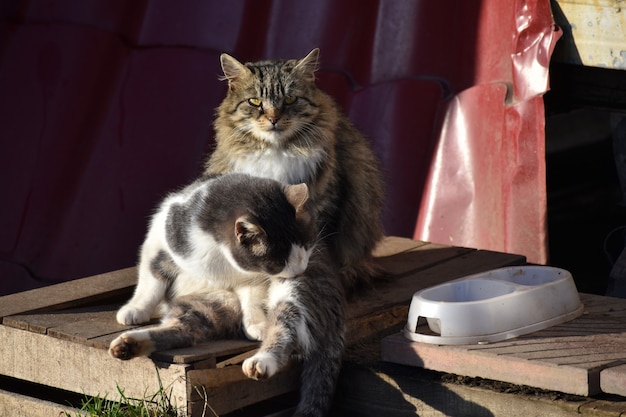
[(227, 254), (276, 123)]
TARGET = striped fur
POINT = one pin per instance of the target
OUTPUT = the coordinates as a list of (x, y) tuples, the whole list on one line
[(276, 123)]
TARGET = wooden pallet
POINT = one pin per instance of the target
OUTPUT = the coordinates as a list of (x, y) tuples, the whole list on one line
[(585, 356), (57, 336)]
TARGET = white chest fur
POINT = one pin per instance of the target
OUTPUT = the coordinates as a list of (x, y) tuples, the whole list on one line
[(281, 165)]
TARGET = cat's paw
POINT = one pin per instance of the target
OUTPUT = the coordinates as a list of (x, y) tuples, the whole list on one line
[(260, 366), (128, 346), (255, 331), (129, 314)]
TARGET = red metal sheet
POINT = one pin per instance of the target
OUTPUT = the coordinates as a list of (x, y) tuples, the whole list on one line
[(486, 185)]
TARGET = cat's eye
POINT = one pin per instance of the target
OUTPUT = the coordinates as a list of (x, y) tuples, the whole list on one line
[(290, 99), (254, 102)]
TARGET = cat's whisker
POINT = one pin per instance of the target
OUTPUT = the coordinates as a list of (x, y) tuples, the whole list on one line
[(322, 235), (241, 134)]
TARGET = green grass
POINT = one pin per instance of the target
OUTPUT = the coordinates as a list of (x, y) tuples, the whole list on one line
[(156, 405)]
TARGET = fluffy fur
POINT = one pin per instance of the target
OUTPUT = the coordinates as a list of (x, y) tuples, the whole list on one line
[(276, 123), (233, 233), (231, 255)]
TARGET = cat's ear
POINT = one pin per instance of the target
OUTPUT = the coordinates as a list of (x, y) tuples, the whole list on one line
[(233, 69), (297, 195), (309, 64), (250, 234)]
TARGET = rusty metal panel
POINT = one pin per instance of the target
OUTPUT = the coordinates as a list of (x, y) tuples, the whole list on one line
[(486, 184)]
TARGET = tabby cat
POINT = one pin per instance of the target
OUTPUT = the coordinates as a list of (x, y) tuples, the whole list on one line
[(226, 257), (276, 123)]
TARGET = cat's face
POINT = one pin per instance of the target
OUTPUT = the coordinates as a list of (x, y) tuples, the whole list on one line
[(256, 251), (271, 100), (273, 232)]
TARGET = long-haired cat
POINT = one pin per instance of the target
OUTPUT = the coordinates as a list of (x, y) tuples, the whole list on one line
[(227, 255), (276, 123)]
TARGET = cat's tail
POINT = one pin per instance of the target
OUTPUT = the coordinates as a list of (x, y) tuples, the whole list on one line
[(361, 275)]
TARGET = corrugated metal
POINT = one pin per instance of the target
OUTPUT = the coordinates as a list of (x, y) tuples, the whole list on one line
[(106, 105)]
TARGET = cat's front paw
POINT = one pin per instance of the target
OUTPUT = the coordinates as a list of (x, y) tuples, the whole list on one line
[(260, 366), (255, 331), (127, 346), (129, 314)]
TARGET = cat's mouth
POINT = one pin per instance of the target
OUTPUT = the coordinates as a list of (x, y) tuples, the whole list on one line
[(273, 133), (275, 125)]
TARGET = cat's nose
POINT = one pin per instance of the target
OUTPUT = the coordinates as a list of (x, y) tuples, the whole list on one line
[(273, 115)]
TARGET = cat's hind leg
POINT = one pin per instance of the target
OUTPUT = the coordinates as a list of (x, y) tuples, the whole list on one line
[(155, 276), (189, 320), (132, 344), (254, 320)]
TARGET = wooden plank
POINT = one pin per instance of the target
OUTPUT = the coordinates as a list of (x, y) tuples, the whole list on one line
[(369, 325), (209, 350), (58, 343), (13, 404), (237, 359), (75, 367), (385, 389), (92, 326), (70, 294), (228, 389), (613, 380), (97, 327), (400, 256), (391, 245), (41, 323), (439, 264), (568, 357), (457, 360)]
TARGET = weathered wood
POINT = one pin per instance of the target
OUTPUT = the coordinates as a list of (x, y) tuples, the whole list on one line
[(390, 390), (455, 359), (237, 359), (228, 389), (75, 367), (55, 344), (369, 313), (42, 322), (391, 245), (567, 357), (92, 326), (204, 351), (70, 294), (12, 404), (437, 264), (413, 257), (613, 380)]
